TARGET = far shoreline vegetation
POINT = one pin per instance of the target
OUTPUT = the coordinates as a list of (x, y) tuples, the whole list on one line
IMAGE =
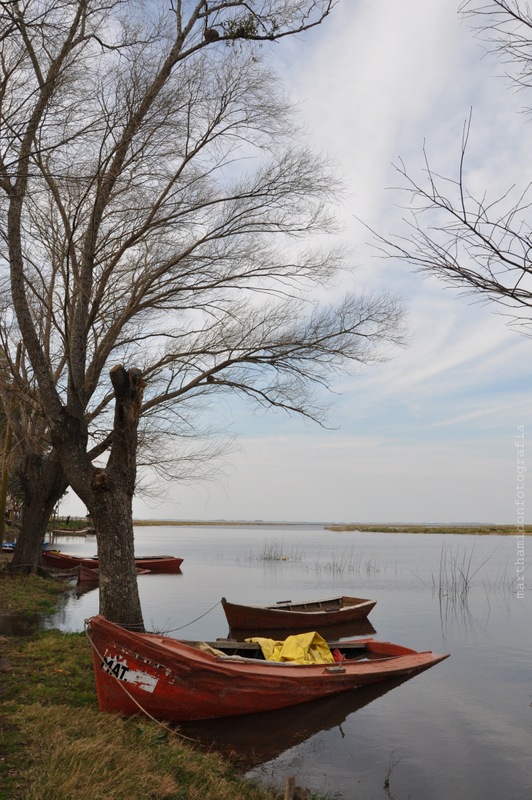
[(80, 526), (477, 529)]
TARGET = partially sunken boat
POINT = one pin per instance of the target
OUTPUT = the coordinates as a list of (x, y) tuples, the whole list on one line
[(176, 681)]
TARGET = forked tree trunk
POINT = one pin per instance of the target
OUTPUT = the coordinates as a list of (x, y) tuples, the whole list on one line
[(108, 494), (44, 484), (111, 509)]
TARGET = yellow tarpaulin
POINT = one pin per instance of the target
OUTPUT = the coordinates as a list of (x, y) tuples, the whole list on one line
[(303, 648)]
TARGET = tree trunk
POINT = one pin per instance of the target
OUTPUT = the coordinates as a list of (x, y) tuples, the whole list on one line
[(108, 494), (110, 504), (5, 477), (44, 484), (112, 516)]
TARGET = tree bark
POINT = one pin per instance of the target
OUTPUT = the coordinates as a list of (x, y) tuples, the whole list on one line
[(4, 479), (119, 597), (44, 483), (111, 506)]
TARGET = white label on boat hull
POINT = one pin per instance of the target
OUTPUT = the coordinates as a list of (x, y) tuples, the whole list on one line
[(114, 665)]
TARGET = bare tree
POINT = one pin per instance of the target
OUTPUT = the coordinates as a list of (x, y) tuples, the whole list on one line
[(479, 244), (175, 447), (157, 216), (30, 463)]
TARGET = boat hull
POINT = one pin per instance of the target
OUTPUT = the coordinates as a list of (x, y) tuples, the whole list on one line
[(155, 564), (313, 616), (174, 681)]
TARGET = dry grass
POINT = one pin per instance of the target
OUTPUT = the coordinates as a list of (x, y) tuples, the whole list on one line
[(94, 756), (56, 745), (475, 530), (88, 756)]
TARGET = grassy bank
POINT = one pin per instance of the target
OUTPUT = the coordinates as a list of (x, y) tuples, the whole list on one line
[(215, 523), (29, 594), (476, 530), (54, 743)]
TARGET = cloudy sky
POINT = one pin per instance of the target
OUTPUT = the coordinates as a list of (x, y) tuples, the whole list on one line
[(429, 435)]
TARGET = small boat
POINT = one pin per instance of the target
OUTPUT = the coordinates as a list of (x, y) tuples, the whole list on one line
[(177, 681), (92, 574), (9, 547), (159, 564), (73, 532), (284, 615)]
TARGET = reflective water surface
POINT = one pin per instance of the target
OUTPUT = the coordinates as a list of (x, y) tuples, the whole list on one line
[(460, 731)]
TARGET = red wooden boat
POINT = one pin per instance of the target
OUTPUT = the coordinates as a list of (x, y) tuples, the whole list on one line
[(177, 681), (162, 564), (285, 615)]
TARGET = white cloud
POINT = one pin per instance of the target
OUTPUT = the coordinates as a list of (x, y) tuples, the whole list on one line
[(428, 435), (332, 477)]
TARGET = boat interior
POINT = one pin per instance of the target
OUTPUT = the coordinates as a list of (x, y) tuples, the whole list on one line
[(332, 604), (342, 651)]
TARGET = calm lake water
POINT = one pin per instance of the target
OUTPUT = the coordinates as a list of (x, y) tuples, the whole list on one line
[(460, 731)]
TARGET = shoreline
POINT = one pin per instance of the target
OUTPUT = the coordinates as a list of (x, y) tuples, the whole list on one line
[(473, 529), (464, 530)]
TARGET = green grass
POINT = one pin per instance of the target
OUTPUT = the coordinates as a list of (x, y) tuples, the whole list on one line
[(55, 744), (29, 594), (477, 530), (275, 551)]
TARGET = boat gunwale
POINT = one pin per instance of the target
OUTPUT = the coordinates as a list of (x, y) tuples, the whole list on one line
[(69, 561), (159, 645), (296, 608)]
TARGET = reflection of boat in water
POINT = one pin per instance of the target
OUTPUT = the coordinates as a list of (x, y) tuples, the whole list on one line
[(249, 741), (92, 574), (359, 627), (20, 624), (85, 586)]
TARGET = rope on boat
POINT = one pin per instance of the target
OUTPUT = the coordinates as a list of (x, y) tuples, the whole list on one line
[(139, 628), (172, 630), (172, 731)]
